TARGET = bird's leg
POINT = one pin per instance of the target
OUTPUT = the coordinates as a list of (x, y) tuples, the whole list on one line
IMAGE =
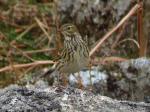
[(64, 79), (80, 84), (60, 85), (79, 79), (91, 84)]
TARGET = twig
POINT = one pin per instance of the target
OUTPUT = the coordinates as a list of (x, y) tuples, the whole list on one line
[(5, 20), (25, 32), (121, 31), (129, 39), (36, 51), (29, 69), (24, 54), (39, 51), (131, 12), (107, 60), (42, 28), (40, 40), (141, 39), (18, 66), (9, 58)]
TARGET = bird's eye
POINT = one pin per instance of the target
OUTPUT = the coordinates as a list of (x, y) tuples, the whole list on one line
[(69, 27)]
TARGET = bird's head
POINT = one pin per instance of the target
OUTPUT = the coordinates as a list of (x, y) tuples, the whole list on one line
[(68, 30)]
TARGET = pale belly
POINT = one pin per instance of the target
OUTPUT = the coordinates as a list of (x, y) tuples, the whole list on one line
[(77, 65)]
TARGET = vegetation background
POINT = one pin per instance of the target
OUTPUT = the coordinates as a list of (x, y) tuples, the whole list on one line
[(28, 32)]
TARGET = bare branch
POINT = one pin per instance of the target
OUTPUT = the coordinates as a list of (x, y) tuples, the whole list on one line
[(26, 31), (42, 26), (19, 66), (131, 12)]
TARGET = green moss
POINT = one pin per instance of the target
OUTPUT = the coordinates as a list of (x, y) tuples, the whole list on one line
[(32, 1)]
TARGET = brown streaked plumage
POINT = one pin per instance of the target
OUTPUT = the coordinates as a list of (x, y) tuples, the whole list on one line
[(75, 54)]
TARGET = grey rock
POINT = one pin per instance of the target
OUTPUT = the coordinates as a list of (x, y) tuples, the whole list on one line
[(59, 99)]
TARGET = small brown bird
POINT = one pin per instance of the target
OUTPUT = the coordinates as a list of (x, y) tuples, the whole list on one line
[(75, 54)]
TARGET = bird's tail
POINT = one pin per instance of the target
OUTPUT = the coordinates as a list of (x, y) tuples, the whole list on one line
[(44, 73), (48, 72)]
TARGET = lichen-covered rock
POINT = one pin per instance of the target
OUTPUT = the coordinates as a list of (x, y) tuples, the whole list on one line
[(129, 80), (44, 99)]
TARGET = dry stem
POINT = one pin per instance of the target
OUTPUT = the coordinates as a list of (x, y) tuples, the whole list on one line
[(131, 12), (18, 66)]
